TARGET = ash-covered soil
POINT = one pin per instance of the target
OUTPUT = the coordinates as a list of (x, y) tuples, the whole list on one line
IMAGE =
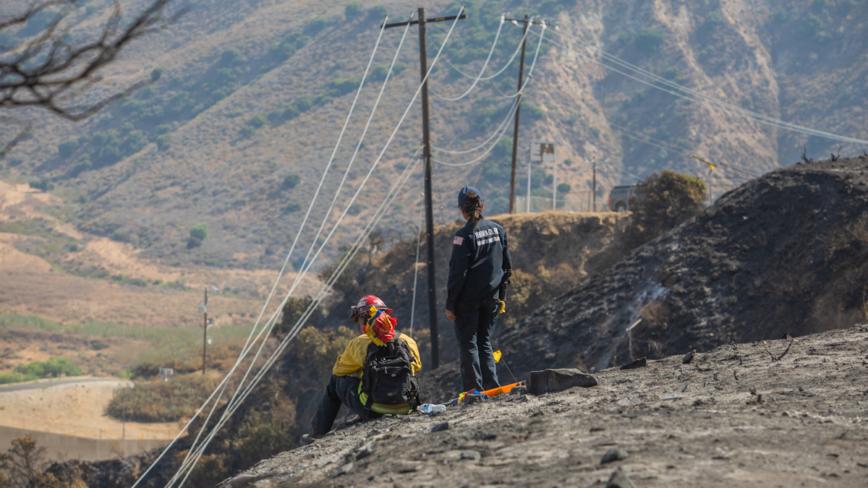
[(784, 253), (734, 417)]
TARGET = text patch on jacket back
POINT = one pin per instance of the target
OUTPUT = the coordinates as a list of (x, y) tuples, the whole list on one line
[(486, 236)]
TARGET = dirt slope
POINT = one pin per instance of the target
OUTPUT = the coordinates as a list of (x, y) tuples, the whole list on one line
[(732, 418), (785, 253), (50, 269)]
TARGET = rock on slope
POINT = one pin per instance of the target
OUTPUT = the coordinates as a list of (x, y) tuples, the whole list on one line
[(732, 418), (785, 253)]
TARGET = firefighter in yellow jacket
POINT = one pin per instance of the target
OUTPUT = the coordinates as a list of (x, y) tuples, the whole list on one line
[(375, 375)]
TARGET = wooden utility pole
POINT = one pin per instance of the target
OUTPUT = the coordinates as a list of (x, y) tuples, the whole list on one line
[(204, 331), (517, 114), (426, 153), (429, 205)]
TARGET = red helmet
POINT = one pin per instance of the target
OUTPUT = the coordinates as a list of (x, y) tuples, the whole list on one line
[(365, 304)]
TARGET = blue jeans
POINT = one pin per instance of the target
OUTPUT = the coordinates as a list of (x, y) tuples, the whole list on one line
[(340, 390), (473, 324)]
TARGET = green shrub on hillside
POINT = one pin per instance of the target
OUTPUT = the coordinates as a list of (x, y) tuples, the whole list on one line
[(67, 147), (649, 39), (353, 9), (813, 27), (164, 142), (54, 367), (161, 401), (11, 377), (156, 73), (291, 110), (257, 121), (291, 181), (315, 25), (532, 112), (377, 13), (247, 131), (780, 16), (231, 57), (253, 124), (713, 20), (342, 86), (43, 184), (81, 165), (292, 207), (485, 116), (564, 187), (290, 44), (198, 233), (379, 73)]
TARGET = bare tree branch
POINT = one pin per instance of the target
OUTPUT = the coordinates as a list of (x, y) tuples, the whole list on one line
[(49, 72), (24, 132)]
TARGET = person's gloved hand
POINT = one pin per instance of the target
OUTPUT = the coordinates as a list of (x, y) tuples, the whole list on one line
[(450, 315)]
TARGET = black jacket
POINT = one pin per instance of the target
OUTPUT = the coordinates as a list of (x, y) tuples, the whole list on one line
[(479, 257)]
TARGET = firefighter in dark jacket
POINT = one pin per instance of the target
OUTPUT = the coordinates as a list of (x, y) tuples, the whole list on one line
[(346, 384), (480, 257)]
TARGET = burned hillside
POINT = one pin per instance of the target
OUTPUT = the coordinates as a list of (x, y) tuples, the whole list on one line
[(784, 253)]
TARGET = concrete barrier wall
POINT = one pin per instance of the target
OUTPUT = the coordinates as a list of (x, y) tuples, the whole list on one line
[(59, 447)]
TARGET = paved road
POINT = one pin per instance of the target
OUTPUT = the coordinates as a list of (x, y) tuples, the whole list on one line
[(48, 384)]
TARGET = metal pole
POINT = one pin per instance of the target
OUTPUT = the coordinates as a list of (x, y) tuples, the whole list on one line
[(517, 114), (205, 333), (555, 182), (429, 211), (529, 155), (594, 184)]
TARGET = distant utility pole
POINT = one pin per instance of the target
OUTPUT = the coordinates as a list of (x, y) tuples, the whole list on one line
[(426, 143), (517, 115), (594, 183), (205, 331)]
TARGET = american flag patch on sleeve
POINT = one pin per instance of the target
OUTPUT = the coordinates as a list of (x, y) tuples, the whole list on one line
[(458, 241)]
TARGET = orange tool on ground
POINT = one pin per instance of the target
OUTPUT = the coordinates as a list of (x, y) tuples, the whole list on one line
[(501, 390)]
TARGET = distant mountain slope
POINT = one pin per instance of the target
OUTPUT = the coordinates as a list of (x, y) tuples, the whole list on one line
[(252, 92), (785, 253)]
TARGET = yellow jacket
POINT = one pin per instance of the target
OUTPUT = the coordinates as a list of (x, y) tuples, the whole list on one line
[(352, 361)]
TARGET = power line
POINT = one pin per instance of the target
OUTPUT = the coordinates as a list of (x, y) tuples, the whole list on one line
[(482, 71), (499, 72), (494, 134), (308, 263), (504, 125), (231, 408), (725, 107), (245, 349), (388, 143)]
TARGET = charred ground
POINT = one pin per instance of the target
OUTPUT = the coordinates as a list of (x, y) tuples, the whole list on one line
[(784, 253), (734, 417)]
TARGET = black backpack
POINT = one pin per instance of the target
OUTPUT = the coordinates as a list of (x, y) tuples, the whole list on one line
[(388, 378)]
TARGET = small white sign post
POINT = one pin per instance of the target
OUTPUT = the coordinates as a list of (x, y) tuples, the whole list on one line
[(543, 152)]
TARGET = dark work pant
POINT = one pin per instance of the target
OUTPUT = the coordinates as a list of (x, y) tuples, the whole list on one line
[(472, 329), (340, 390)]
